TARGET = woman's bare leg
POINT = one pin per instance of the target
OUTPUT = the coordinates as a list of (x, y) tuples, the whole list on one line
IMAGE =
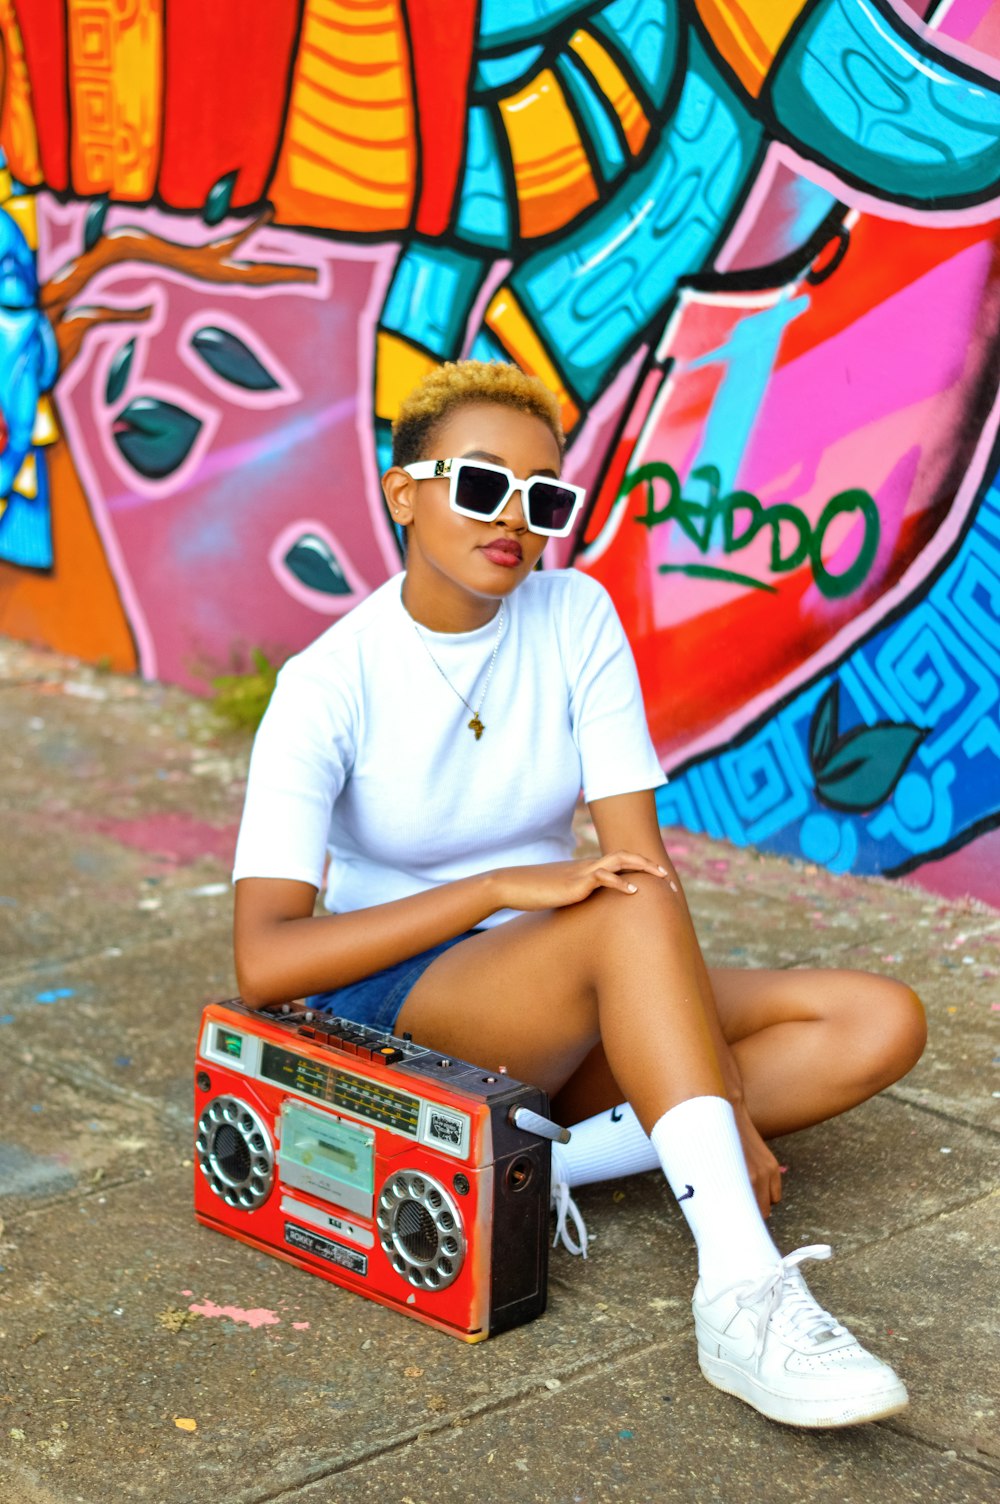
[(613, 991), (598, 1001), (809, 1045), (537, 994)]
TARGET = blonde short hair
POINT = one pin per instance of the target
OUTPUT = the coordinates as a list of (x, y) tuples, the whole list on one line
[(459, 383)]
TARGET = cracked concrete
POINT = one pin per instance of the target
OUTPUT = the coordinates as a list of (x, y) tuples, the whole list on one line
[(121, 1317)]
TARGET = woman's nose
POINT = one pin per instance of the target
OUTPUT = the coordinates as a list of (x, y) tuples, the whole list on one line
[(513, 514)]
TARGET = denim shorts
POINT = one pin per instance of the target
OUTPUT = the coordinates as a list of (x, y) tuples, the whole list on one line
[(378, 1000)]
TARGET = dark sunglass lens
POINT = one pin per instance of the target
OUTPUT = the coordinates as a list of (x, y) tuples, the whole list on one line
[(480, 490), (550, 505)]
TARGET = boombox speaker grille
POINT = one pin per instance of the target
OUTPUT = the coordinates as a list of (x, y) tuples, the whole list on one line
[(420, 1229), (235, 1152)]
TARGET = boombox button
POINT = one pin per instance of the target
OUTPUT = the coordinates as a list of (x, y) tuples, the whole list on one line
[(389, 1054)]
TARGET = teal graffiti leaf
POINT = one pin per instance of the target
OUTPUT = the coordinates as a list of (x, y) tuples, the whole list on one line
[(823, 727), (313, 561), (118, 373), (231, 359), (93, 225), (155, 436), (865, 765), (218, 199)]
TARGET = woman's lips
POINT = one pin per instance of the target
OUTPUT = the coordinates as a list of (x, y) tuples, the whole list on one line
[(504, 552)]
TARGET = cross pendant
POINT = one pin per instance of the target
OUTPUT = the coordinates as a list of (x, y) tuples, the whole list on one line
[(477, 726)]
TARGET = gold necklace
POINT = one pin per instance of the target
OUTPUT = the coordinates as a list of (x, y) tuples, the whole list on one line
[(475, 725)]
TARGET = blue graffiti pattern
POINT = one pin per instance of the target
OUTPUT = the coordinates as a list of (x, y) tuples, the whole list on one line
[(28, 363), (938, 668)]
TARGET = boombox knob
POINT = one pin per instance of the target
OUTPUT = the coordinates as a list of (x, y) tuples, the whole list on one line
[(308, 1015)]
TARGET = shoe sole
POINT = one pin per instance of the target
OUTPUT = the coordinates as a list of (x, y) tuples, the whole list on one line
[(816, 1414)]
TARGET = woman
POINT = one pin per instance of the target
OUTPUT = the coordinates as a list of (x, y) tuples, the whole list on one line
[(436, 740)]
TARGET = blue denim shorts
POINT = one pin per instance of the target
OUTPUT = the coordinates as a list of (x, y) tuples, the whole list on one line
[(378, 1000)]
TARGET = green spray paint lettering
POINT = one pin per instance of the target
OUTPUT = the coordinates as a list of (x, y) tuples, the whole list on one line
[(738, 516)]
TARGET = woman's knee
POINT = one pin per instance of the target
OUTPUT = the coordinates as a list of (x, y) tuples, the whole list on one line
[(656, 901), (895, 1030)]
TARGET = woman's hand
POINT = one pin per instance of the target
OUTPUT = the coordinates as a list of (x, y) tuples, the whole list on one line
[(764, 1170), (553, 885)]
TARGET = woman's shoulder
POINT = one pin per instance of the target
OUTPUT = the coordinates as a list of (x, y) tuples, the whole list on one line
[(566, 595), (349, 639)]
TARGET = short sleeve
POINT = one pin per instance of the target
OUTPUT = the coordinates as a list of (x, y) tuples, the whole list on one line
[(301, 759), (606, 709)]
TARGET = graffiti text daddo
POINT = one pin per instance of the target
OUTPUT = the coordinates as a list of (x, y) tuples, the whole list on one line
[(737, 517)]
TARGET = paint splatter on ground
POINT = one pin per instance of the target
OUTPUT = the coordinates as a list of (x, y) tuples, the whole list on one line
[(258, 1316)]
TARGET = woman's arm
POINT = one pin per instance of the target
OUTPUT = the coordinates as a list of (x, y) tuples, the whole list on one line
[(284, 952)]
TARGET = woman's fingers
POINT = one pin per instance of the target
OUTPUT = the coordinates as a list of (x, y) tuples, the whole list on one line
[(631, 861), (612, 880)]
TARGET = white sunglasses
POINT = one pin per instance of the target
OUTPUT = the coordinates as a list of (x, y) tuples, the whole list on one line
[(480, 490)]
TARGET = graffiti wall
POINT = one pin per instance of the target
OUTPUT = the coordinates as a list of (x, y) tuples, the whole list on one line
[(754, 249)]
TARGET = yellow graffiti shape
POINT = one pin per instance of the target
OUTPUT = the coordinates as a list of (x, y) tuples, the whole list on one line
[(748, 34), (115, 82), (614, 86), (552, 176), (521, 340), (398, 367), (348, 160)]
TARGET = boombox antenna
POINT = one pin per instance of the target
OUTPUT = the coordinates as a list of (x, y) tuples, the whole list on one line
[(533, 1122)]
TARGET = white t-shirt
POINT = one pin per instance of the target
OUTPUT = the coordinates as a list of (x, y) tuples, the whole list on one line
[(365, 751)]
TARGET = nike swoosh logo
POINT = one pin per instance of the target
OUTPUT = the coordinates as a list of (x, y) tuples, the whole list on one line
[(616, 1114), (688, 1193)]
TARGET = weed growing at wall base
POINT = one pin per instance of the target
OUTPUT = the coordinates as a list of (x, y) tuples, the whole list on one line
[(242, 699)]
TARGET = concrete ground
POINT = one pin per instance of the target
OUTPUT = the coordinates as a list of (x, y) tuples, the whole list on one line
[(146, 1358)]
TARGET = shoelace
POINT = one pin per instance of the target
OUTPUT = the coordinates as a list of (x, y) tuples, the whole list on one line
[(567, 1211), (781, 1287)]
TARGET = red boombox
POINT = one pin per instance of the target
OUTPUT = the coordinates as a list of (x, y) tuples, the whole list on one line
[(417, 1180)]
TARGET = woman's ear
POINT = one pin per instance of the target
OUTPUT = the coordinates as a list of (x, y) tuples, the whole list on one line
[(399, 490)]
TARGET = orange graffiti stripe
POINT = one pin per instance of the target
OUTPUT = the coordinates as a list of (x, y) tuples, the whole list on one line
[(318, 7), (356, 70), (17, 120), (348, 99), (372, 188), (351, 29), (389, 143)]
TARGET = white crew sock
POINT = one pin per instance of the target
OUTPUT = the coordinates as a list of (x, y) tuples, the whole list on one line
[(699, 1148), (603, 1147)]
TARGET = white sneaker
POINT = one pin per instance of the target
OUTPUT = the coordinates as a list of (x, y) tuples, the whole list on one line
[(775, 1347), (567, 1211)]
